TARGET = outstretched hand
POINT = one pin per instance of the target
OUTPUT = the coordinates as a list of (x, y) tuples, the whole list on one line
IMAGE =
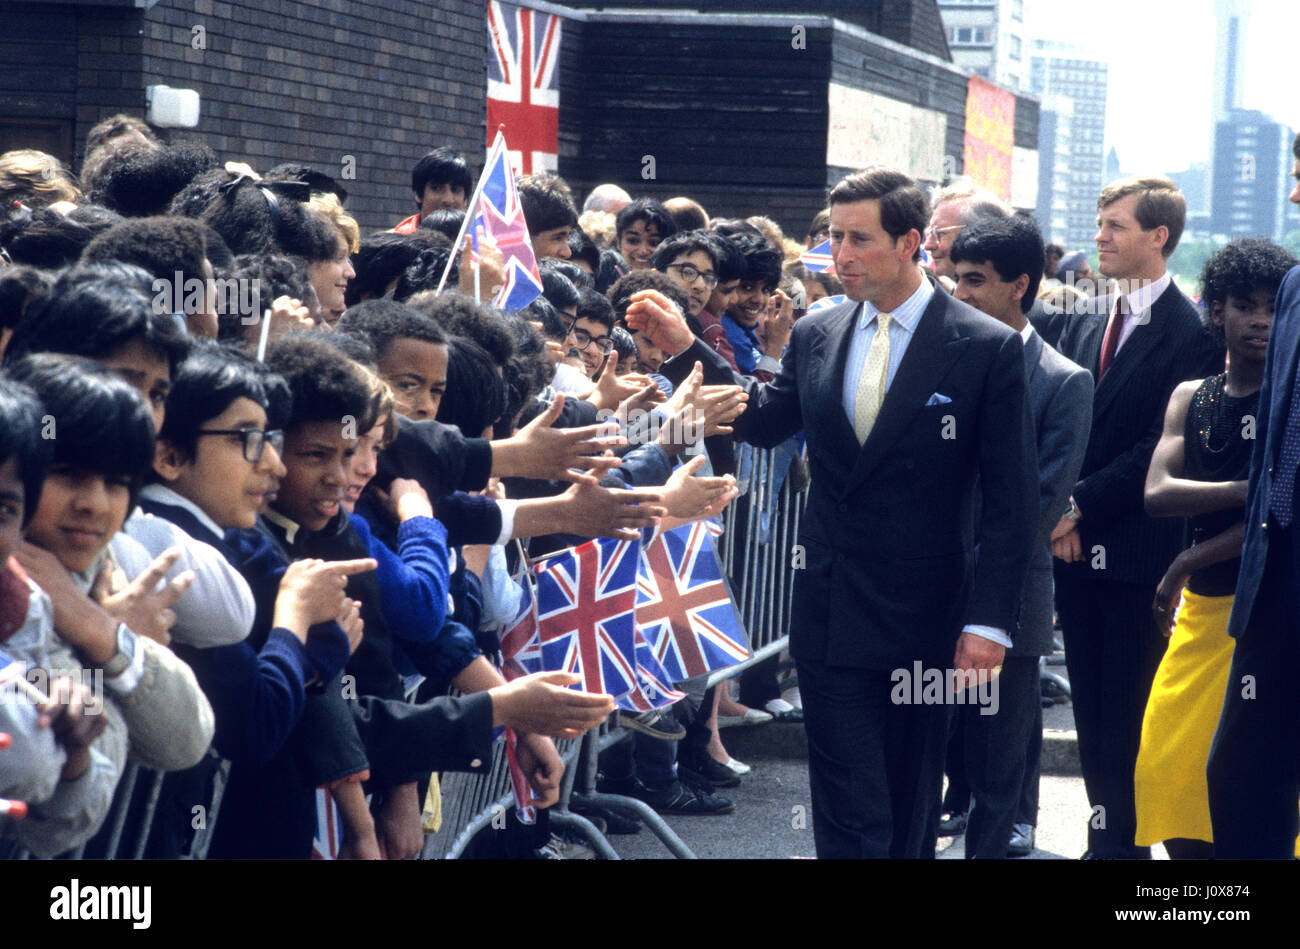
[(653, 314), (593, 511), (546, 453), (543, 704)]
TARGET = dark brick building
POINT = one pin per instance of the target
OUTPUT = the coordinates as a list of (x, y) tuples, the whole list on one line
[(382, 81), (747, 106)]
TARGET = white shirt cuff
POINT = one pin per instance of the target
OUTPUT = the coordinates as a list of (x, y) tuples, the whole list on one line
[(508, 507), (998, 636), (770, 364)]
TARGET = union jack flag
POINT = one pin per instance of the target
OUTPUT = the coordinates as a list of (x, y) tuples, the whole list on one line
[(825, 303), (523, 86), (328, 837), (818, 259), (655, 685), (496, 209), (521, 648), (684, 607), (586, 620)]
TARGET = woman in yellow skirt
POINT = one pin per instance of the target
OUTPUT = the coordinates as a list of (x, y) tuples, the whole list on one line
[(1199, 471)]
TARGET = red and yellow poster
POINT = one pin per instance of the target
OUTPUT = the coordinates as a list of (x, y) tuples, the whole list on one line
[(990, 136)]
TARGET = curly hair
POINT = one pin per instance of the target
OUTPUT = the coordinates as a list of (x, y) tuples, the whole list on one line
[(1238, 270), (141, 180), (326, 385)]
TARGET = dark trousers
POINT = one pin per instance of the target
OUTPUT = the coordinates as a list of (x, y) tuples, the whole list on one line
[(875, 767), (1027, 810), (1112, 650), (1254, 766), (995, 753)]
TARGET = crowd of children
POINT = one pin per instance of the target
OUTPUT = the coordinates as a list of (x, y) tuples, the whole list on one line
[(262, 478)]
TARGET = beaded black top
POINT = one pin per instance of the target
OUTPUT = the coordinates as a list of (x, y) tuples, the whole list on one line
[(1217, 442)]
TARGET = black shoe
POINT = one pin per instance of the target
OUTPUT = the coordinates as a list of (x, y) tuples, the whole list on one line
[(677, 798), (1022, 840), (613, 821), (719, 774), (657, 724), (705, 785), (952, 825)]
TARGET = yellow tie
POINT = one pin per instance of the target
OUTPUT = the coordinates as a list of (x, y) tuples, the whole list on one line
[(871, 384)]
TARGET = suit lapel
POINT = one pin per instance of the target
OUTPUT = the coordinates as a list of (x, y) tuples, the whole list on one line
[(932, 350), (832, 351), (1132, 355), (1033, 353)]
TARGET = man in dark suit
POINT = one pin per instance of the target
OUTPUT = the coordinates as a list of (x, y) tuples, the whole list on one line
[(906, 397), (998, 265), (1139, 342), (1254, 767)]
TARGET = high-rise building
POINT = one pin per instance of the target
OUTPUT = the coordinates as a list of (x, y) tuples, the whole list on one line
[(1229, 58), (1061, 69), (1230, 18), (988, 38), (1055, 119), (1252, 156)]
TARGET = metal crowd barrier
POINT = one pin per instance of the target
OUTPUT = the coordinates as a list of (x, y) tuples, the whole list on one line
[(138, 791), (765, 520), (756, 548)]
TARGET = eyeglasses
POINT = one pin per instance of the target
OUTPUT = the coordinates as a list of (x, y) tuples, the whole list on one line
[(691, 274), (255, 440), (935, 232), (585, 339)]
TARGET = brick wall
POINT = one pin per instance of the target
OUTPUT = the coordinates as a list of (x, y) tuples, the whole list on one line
[(382, 81)]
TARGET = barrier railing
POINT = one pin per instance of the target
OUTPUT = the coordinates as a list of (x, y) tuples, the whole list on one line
[(759, 532), (760, 529)]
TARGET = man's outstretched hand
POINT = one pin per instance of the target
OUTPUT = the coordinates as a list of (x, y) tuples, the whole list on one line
[(652, 313)]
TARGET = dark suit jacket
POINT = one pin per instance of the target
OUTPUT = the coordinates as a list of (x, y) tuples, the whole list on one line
[(1048, 324), (888, 531), (1274, 405), (1060, 397), (1128, 411)]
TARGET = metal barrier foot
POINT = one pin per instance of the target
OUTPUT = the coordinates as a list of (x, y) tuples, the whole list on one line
[(579, 825), (644, 813)]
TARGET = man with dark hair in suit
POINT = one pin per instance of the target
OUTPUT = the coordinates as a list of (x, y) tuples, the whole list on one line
[(1139, 342), (1254, 767), (914, 409), (998, 265)]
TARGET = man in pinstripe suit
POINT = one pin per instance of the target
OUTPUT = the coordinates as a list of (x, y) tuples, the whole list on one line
[(1139, 342)]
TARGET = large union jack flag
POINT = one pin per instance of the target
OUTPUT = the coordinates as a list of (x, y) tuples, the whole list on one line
[(497, 210), (684, 607), (521, 650), (586, 621), (523, 83)]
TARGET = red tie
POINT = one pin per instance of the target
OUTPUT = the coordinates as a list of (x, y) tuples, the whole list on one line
[(1111, 343)]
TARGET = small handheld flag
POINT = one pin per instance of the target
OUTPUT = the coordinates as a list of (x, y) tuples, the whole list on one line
[(495, 208), (818, 259)]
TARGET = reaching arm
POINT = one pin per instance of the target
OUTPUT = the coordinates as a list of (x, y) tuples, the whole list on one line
[(1168, 493)]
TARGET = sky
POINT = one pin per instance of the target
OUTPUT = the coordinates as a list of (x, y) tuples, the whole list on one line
[(1161, 57)]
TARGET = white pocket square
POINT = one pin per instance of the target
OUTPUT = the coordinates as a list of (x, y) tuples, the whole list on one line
[(938, 399)]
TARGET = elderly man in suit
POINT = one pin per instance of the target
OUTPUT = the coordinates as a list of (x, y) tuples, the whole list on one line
[(1254, 767), (998, 264), (1139, 342), (914, 408)]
